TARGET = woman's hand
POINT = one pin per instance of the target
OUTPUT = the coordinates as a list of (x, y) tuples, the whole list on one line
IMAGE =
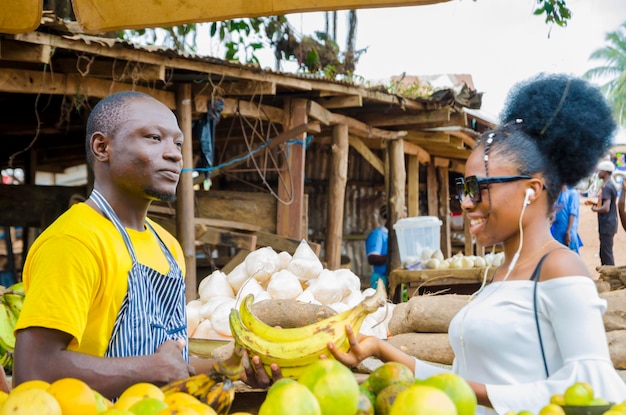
[(361, 347)]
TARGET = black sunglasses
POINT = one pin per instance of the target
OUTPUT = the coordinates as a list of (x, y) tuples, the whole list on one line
[(472, 186)]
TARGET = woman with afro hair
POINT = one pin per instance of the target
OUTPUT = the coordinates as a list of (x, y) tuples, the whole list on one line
[(536, 328)]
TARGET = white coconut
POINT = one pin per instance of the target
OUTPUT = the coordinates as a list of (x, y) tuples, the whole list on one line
[(348, 280), (304, 263), (203, 331), (237, 277), (326, 288), (194, 316), (284, 258), (307, 297), (284, 285), (215, 285), (262, 263), (212, 303), (220, 318), (251, 286)]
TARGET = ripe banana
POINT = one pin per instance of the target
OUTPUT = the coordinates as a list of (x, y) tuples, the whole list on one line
[(293, 349), (215, 388)]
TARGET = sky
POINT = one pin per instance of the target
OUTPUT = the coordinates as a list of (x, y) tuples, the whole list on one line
[(497, 42)]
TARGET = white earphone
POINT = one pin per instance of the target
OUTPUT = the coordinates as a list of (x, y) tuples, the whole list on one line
[(529, 193)]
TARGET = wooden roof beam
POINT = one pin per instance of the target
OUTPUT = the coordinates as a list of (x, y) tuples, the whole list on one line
[(331, 89), (363, 130), (237, 88), (36, 82), (388, 120), (350, 101), (11, 50), (120, 71), (234, 107), (366, 153), (145, 56), (413, 149)]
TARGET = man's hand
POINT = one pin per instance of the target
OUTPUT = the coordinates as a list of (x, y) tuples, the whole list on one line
[(255, 375), (169, 362)]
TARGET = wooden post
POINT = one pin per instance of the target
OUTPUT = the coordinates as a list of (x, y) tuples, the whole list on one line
[(289, 217), (413, 186), (185, 226), (444, 205), (395, 209), (337, 195), (432, 190)]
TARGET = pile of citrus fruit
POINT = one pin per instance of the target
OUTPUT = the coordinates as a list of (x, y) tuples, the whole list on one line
[(70, 396), (578, 398), (327, 387)]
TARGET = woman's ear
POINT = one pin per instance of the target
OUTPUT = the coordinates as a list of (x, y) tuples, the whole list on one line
[(98, 145)]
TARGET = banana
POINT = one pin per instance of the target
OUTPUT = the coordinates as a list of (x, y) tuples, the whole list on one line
[(215, 388), (221, 396), (295, 348), (14, 300), (7, 324)]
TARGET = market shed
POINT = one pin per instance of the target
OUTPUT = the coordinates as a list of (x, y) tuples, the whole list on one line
[(275, 158)]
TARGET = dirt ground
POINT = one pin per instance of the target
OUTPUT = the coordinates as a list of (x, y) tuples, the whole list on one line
[(588, 231)]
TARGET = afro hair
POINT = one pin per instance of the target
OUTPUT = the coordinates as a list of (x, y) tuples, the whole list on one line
[(567, 117)]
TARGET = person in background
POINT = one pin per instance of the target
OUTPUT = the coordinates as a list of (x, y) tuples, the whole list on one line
[(376, 249), (621, 205), (606, 208), (517, 349), (565, 225), (105, 292)]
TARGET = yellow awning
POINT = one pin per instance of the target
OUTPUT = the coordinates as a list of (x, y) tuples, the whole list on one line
[(20, 16), (96, 16)]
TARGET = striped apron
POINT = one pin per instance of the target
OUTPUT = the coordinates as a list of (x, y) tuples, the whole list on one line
[(153, 310)]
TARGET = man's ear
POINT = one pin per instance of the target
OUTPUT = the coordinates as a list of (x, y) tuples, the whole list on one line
[(98, 144)]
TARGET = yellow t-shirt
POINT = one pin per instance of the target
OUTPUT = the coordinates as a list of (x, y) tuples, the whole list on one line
[(76, 275)]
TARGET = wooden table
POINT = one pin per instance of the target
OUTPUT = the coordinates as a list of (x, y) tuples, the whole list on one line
[(435, 277)]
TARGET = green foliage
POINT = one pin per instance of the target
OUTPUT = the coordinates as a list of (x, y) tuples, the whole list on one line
[(612, 72), (556, 11)]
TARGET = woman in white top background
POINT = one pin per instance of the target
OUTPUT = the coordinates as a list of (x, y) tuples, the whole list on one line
[(516, 347)]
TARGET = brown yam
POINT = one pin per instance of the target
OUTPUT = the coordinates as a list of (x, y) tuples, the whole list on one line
[(426, 314), (430, 347), (615, 314), (617, 347), (290, 313)]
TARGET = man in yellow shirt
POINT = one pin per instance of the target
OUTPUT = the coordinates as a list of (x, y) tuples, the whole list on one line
[(105, 285)]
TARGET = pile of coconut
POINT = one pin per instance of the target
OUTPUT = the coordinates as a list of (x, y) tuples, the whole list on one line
[(279, 276)]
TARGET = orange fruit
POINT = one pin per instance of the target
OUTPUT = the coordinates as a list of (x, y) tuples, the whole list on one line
[(421, 399), (202, 409), (181, 399), (74, 396), (578, 394), (177, 410), (457, 389), (334, 386), (387, 397), (552, 409), (143, 390), (32, 384), (147, 406), (126, 402), (289, 398), (387, 374), (558, 399), (366, 407), (30, 401)]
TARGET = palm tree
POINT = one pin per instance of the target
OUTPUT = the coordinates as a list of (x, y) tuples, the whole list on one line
[(613, 71)]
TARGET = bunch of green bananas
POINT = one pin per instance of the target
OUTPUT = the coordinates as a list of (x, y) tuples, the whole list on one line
[(294, 349), (11, 300), (215, 388)]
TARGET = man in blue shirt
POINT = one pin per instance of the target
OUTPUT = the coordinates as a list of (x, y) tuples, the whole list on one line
[(565, 225), (376, 249)]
